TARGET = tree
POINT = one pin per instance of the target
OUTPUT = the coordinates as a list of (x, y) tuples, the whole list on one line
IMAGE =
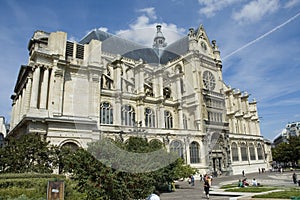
[(29, 153), (287, 152), (100, 170)]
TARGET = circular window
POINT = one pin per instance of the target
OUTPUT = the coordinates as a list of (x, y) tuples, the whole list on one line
[(209, 80)]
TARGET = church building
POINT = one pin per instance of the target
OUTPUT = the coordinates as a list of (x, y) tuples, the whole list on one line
[(105, 86)]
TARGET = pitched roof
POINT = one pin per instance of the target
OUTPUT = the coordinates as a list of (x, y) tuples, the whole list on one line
[(116, 45)]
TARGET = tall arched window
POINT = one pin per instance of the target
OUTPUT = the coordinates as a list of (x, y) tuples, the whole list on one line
[(176, 146), (244, 152), (234, 152), (168, 120), (252, 152), (194, 152), (128, 115), (260, 152), (106, 113), (185, 122), (149, 118)]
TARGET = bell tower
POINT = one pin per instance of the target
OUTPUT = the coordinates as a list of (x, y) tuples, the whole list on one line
[(159, 39)]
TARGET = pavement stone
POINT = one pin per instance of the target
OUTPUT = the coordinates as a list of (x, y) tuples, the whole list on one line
[(188, 192)]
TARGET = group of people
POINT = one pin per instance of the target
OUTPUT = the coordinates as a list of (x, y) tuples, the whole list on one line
[(245, 183)]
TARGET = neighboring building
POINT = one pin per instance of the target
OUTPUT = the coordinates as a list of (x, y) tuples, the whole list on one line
[(291, 129), (73, 93)]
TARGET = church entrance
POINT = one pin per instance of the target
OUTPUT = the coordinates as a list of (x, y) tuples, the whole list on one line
[(217, 160)]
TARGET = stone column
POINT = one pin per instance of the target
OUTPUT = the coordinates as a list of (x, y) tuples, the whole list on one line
[(179, 100), (203, 152), (255, 151), (118, 86), (57, 97), (13, 115), (18, 110), (239, 152), (94, 87), (187, 150), (44, 89), (141, 112), (23, 102), (117, 111), (139, 79), (35, 88), (161, 117), (28, 93)]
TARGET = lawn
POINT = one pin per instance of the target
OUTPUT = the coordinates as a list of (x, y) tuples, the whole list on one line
[(251, 189), (286, 194)]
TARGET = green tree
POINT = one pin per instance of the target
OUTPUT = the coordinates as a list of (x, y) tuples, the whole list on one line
[(99, 176), (29, 153), (287, 151)]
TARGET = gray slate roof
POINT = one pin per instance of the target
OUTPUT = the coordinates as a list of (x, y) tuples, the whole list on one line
[(116, 45)]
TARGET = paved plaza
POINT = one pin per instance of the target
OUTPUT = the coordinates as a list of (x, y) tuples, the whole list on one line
[(187, 192)]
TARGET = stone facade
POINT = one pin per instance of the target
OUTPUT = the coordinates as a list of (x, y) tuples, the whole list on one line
[(73, 93)]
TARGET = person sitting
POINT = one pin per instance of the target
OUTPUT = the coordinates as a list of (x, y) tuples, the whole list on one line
[(240, 183), (254, 182), (245, 183)]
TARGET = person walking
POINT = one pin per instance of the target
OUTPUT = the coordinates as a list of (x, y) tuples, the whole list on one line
[(243, 173), (192, 180), (206, 186), (295, 178)]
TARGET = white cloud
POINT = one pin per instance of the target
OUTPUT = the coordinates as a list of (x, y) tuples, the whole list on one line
[(255, 10), (291, 3), (104, 29), (212, 6), (144, 28), (149, 11)]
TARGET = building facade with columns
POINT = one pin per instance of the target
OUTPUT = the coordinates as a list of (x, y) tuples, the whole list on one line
[(73, 93)]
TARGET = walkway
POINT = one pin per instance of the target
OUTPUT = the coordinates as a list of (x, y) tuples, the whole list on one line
[(186, 191)]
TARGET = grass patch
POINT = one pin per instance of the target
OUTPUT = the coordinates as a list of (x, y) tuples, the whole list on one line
[(34, 187), (286, 194), (229, 186), (251, 189)]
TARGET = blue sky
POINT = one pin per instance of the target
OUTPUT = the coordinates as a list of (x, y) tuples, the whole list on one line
[(258, 39)]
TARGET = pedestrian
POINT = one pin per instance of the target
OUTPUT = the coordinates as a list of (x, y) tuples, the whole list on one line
[(259, 170), (201, 177), (192, 180), (154, 196), (173, 186), (206, 186), (295, 178), (243, 173)]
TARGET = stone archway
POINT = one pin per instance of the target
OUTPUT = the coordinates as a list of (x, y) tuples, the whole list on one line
[(70, 144)]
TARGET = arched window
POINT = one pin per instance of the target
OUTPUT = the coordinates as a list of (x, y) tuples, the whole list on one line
[(185, 122), (234, 152), (244, 152), (128, 115), (194, 152), (252, 152), (260, 152), (149, 118), (176, 146), (168, 120), (106, 113)]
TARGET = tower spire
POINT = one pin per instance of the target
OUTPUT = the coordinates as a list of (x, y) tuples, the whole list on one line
[(159, 39)]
